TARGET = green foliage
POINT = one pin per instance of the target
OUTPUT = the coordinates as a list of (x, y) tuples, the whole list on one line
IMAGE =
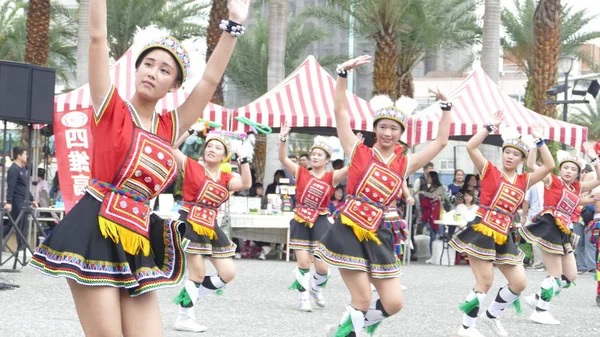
[(589, 117), (248, 65)]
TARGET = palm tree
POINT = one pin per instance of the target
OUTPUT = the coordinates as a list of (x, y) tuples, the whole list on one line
[(589, 117), (491, 37), (218, 12), (248, 69), (518, 45), (180, 16), (38, 32), (13, 36), (403, 31), (546, 28)]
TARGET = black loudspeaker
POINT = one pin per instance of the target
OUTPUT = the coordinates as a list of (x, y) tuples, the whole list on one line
[(26, 93)]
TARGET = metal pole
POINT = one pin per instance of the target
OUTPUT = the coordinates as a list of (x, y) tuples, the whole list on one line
[(565, 104)]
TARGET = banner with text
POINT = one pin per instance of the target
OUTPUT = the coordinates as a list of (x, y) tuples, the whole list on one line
[(73, 144)]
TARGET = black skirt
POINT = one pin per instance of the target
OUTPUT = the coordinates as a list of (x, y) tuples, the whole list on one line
[(221, 247), (77, 250), (339, 247), (303, 237), (546, 234), (484, 247)]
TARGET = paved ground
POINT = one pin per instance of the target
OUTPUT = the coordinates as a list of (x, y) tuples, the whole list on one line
[(258, 303)]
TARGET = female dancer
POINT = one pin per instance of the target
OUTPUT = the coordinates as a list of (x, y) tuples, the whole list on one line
[(314, 189), (486, 239), (110, 248), (550, 229), (205, 188), (357, 244)]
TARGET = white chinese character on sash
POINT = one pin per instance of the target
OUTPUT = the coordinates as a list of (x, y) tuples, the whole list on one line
[(79, 161), (80, 181), (76, 138)]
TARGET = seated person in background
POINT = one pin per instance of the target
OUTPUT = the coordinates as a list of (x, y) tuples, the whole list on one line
[(337, 200), (467, 209), (272, 188)]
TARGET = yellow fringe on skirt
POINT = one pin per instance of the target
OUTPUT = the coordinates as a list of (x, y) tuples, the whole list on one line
[(300, 220), (360, 233), (132, 242), (203, 230), (499, 238), (563, 228)]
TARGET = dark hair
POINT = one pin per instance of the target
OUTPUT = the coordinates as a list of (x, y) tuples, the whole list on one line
[(17, 151), (280, 173), (41, 173), (435, 179), (468, 177), (428, 165), (178, 79), (254, 188), (456, 172), (338, 163), (305, 155), (336, 189), (468, 193), (292, 157)]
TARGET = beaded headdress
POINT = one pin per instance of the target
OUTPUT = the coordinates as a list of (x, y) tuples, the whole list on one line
[(564, 157), (148, 38), (223, 140), (399, 111), (513, 138), (324, 144)]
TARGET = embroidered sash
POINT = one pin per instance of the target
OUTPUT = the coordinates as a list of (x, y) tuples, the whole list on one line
[(308, 208), (125, 215), (496, 219), (375, 191), (202, 215)]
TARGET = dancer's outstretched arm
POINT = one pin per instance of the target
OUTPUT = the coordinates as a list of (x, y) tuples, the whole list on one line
[(589, 185), (194, 105), (244, 181), (342, 121), (548, 163), (179, 156), (478, 138), (287, 163), (98, 70), (424, 156)]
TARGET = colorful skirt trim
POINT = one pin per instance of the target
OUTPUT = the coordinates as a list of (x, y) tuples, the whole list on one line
[(481, 246), (93, 260), (220, 247), (339, 247), (303, 237), (549, 236)]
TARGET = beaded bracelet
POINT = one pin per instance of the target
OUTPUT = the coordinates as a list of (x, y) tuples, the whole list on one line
[(232, 27), (490, 127), (283, 139), (343, 73), (594, 161), (538, 142), (446, 106), (243, 160)]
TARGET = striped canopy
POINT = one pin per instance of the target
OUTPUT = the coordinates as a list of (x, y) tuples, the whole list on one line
[(305, 99), (122, 74), (475, 101)]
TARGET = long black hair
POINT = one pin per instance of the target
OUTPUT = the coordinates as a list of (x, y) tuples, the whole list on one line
[(435, 179)]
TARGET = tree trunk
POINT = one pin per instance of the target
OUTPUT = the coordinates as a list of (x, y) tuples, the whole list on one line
[(385, 81), (546, 53), (490, 56), (83, 42), (218, 12), (407, 87), (38, 32), (265, 150)]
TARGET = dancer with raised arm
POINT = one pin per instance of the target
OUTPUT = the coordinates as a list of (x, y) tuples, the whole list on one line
[(487, 239), (358, 243), (314, 188), (113, 251), (206, 186), (550, 229)]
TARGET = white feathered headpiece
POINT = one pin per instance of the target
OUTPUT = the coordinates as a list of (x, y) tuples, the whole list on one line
[(513, 138), (564, 156), (326, 144), (399, 111), (154, 37)]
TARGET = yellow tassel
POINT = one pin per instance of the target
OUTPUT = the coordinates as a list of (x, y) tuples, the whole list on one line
[(360, 233), (132, 242), (300, 220), (562, 227), (487, 231), (203, 230), (225, 167)]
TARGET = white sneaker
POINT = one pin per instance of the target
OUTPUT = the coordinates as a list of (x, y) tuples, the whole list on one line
[(531, 301), (238, 256), (304, 303), (188, 324), (470, 332), (262, 256), (494, 324), (317, 295), (543, 317)]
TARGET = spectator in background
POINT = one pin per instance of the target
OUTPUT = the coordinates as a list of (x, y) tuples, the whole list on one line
[(42, 189), (431, 205), (291, 175), (337, 200), (338, 164), (304, 161), (457, 183), (272, 188), (471, 185), (421, 185)]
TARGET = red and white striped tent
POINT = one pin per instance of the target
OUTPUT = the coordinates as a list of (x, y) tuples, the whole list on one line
[(305, 99), (122, 74), (474, 102)]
